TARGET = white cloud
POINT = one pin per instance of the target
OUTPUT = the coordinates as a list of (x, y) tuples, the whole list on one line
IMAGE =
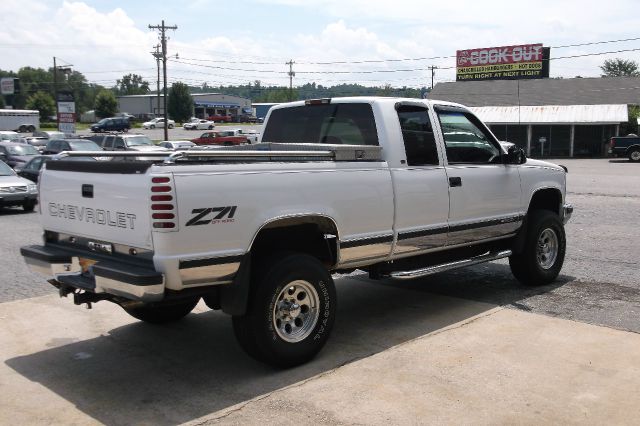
[(77, 34)]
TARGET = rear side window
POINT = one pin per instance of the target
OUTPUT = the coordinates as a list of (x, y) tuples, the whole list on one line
[(417, 134), (348, 124)]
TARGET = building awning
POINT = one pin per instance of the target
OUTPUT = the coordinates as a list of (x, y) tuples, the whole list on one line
[(553, 114), (215, 104)]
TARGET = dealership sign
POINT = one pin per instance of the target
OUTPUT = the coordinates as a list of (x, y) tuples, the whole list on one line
[(7, 85), (66, 113), (503, 63)]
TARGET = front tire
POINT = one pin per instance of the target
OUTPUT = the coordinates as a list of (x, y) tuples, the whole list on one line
[(28, 206), (540, 261), (170, 126), (634, 155), (291, 311), (162, 314)]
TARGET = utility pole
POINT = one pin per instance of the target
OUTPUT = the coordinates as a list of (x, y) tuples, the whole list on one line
[(158, 56), (433, 72), (291, 75), (163, 40), (55, 92)]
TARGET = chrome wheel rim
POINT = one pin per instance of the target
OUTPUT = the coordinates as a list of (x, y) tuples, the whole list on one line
[(296, 311), (547, 248), (635, 155)]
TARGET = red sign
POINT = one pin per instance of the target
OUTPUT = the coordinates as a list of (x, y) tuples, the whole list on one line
[(66, 117), (506, 62)]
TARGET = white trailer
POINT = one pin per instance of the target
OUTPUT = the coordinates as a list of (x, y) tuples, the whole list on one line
[(19, 120)]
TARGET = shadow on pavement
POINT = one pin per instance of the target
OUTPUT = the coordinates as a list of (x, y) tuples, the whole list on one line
[(138, 373), (626, 160), (6, 211)]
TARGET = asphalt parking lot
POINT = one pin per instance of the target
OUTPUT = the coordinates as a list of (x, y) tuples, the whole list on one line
[(467, 346)]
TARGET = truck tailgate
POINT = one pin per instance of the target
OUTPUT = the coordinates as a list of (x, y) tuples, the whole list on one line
[(109, 206)]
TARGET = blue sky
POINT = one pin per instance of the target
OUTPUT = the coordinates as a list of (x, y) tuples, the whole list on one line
[(239, 42)]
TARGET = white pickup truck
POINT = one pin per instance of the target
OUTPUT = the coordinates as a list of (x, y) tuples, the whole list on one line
[(400, 188)]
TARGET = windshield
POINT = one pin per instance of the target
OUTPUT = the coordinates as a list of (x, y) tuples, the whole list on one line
[(139, 140), (104, 120), (84, 146), (22, 150), (5, 170)]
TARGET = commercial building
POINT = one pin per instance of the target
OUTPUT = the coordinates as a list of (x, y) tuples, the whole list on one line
[(204, 104), (573, 117)]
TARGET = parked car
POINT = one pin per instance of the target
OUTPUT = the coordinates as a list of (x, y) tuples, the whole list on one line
[(126, 142), (158, 122), (56, 146), (17, 153), (31, 169), (37, 142), (250, 135), (219, 138), (246, 118), (626, 146), (49, 134), (16, 190), (112, 124), (177, 145), (11, 136), (221, 118), (199, 124)]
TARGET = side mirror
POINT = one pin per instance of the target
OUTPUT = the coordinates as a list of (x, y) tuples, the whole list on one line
[(516, 155)]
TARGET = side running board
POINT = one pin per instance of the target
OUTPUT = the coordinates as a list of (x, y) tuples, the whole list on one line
[(418, 273)]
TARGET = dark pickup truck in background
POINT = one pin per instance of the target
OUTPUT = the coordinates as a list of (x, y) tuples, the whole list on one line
[(626, 146)]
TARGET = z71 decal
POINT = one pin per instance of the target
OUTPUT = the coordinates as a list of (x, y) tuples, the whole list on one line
[(212, 215)]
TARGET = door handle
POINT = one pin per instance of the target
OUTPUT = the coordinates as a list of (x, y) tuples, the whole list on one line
[(455, 181)]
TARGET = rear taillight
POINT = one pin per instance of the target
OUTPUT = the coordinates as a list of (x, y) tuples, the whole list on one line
[(613, 142), (163, 209)]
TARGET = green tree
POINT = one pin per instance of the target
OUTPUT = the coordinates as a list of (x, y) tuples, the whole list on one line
[(620, 68), (131, 84), (180, 102), (106, 104), (44, 103)]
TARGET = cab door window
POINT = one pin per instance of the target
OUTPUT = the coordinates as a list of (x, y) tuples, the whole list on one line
[(417, 134), (466, 140)]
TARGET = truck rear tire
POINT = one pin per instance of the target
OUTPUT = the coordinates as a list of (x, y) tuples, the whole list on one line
[(634, 155), (291, 310), (540, 261), (162, 314)]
